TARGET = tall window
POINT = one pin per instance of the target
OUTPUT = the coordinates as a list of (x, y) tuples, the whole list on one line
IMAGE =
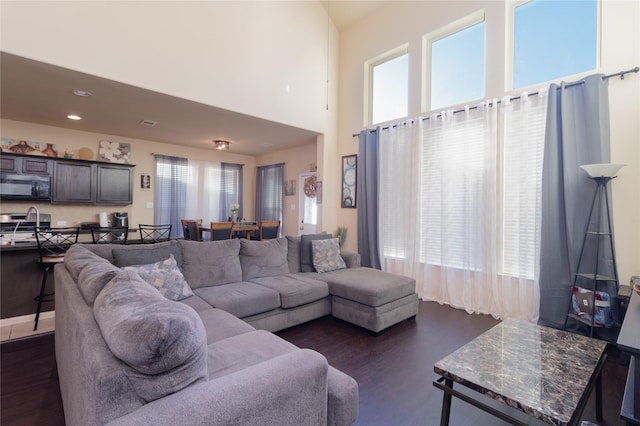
[(172, 177), (388, 77), (270, 192), (456, 62), (553, 39), (192, 189)]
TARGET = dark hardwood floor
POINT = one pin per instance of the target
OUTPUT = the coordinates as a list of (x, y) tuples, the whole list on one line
[(394, 371)]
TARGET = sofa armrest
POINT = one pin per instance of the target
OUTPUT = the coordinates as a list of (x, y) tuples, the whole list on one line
[(290, 389), (351, 259)]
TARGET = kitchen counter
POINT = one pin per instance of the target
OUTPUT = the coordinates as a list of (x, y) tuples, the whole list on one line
[(20, 277)]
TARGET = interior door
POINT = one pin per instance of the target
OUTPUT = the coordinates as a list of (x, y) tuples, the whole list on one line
[(308, 211)]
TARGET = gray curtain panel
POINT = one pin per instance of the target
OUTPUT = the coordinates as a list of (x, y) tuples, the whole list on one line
[(231, 191), (170, 192), (367, 196), (577, 133), (270, 193)]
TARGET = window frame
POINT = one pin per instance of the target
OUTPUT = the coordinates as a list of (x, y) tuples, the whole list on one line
[(509, 56), (368, 80), (428, 39)]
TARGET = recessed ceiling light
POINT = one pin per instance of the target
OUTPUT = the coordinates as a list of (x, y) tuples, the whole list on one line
[(81, 93), (74, 117)]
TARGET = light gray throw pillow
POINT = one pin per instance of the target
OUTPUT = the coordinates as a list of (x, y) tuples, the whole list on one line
[(164, 343), (165, 276), (306, 256), (326, 255), (263, 258)]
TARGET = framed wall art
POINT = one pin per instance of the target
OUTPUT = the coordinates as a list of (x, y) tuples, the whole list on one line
[(349, 164), (145, 181)]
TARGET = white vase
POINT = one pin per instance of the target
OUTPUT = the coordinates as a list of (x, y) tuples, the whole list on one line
[(234, 217)]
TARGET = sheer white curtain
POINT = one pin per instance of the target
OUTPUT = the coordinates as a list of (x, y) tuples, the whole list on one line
[(203, 191), (446, 196)]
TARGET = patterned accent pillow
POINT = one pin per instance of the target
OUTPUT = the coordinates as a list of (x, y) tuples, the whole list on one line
[(164, 276), (326, 255)]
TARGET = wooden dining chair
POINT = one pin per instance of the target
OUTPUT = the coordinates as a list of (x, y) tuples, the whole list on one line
[(190, 229), (221, 230), (269, 229), (150, 234)]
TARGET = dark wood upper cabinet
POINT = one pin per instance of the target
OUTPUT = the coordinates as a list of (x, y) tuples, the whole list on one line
[(114, 184), (73, 183), (39, 166)]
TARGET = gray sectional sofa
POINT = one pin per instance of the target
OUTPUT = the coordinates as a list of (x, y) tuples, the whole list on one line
[(197, 349)]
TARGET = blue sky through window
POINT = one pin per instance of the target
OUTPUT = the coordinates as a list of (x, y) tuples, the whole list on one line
[(390, 94), (457, 67), (553, 39)]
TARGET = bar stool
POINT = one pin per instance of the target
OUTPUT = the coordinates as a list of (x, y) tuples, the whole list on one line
[(154, 233), (110, 235), (53, 243)]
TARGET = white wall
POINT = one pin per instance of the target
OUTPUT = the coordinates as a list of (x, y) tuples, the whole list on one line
[(407, 21), (236, 55)]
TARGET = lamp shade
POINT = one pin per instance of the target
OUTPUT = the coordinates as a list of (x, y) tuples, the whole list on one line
[(602, 170)]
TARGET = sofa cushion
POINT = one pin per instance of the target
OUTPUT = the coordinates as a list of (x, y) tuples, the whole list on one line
[(295, 289), (145, 254), (368, 286), (106, 250), (163, 342), (241, 299), (221, 324), (210, 263), (90, 271), (293, 253), (263, 258), (326, 255), (306, 256), (165, 276)]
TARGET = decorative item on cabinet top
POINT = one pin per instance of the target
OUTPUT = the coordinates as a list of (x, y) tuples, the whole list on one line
[(114, 152), (29, 147)]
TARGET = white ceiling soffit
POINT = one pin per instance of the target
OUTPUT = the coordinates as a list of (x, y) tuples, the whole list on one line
[(41, 93)]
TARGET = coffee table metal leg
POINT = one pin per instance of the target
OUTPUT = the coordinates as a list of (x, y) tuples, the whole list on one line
[(446, 403)]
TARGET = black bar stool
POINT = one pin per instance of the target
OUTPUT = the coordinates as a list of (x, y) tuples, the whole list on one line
[(53, 243)]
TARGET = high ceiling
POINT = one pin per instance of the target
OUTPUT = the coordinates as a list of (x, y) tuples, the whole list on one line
[(37, 92)]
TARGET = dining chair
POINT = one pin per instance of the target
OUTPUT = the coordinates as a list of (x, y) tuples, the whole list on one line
[(150, 234), (190, 229), (221, 230), (53, 244), (269, 229), (110, 235)]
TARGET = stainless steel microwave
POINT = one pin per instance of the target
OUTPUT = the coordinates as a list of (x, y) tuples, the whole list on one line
[(15, 186)]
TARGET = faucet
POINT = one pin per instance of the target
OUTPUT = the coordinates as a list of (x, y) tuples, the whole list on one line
[(37, 215)]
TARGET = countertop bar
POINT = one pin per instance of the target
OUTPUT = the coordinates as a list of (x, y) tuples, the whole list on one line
[(538, 370)]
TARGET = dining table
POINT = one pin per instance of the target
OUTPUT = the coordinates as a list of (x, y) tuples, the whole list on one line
[(238, 229)]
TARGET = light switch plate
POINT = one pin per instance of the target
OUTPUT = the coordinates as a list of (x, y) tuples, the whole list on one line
[(149, 204)]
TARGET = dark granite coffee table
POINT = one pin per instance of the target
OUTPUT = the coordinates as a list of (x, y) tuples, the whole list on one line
[(543, 372)]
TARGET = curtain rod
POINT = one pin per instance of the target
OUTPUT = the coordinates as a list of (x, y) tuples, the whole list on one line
[(621, 74)]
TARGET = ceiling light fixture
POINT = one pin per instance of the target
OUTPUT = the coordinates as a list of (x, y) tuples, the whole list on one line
[(222, 145), (81, 93), (74, 117)]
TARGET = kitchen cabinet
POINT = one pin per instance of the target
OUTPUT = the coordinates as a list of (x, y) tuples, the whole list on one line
[(73, 183), (76, 182), (114, 184), (25, 165)]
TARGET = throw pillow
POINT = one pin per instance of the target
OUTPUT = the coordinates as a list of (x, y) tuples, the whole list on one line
[(165, 276), (306, 255), (263, 258), (326, 255), (162, 343)]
